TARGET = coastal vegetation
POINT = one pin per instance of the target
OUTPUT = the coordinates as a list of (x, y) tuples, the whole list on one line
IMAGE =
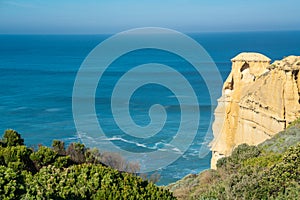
[(270, 170), (73, 173)]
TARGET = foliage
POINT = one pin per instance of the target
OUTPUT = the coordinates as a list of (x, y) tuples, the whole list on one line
[(283, 174), (76, 152), (267, 160), (93, 156), (294, 123), (116, 161), (75, 173), (12, 138), (280, 142), (59, 147), (11, 183), (62, 161), (88, 181), (269, 171), (16, 157), (43, 157), (153, 177), (239, 154)]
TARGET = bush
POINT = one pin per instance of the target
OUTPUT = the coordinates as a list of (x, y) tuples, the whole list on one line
[(294, 123), (244, 152), (222, 162), (59, 147), (43, 157), (269, 171), (62, 161), (11, 184), (50, 174), (89, 181), (16, 157), (93, 156), (116, 161), (76, 151), (263, 161), (12, 138), (239, 154), (283, 174), (280, 142)]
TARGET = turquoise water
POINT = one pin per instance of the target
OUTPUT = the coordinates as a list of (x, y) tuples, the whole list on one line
[(37, 74)]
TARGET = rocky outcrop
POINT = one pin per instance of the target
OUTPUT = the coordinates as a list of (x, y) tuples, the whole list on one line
[(258, 100)]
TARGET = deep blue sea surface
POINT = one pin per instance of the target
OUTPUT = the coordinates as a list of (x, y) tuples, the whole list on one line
[(37, 74)]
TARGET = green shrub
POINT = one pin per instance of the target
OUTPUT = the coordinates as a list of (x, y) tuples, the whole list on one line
[(269, 171), (281, 175), (53, 173), (239, 154), (222, 162), (88, 181), (244, 152), (263, 161), (12, 138), (11, 184), (62, 161), (294, 123), (280, 142), (43, 157), (93, 156), (16, 157)]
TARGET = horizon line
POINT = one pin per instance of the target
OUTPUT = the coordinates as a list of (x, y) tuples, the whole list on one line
[(185, 32)]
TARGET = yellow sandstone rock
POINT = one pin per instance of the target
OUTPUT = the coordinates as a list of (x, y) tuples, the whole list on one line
[(258, 100)]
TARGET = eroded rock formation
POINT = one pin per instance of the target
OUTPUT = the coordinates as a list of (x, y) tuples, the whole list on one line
[(258, 100)]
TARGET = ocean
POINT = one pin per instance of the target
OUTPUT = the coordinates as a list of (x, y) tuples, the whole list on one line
[(37, 74)]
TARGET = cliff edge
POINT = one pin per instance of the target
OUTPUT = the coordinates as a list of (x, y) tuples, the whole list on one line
[(258, 100)]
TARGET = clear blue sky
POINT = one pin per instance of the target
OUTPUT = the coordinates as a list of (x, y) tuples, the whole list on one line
[(112, 16)]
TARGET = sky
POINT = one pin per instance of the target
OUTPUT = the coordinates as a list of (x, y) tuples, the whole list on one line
[(112, 16)]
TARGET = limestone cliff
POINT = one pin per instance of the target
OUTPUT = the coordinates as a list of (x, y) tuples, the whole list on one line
[(258, 100)]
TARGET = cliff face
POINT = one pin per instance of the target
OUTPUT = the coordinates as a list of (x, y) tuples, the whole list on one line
[(258, 100)]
